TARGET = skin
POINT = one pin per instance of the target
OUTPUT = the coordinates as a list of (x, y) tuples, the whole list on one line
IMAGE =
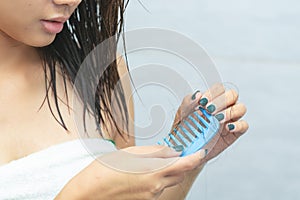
[(21, 79), (29, 30), (22, 92), (161, 184)]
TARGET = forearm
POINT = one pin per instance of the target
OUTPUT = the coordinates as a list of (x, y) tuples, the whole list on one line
[(180, 191), (70, 191)]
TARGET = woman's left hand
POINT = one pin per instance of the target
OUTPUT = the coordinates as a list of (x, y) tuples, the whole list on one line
[(224, 105)]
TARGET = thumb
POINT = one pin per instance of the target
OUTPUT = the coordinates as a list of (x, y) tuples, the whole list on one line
[(155, 151)]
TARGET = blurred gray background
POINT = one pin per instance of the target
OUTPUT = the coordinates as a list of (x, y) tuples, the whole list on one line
[(255, 45)]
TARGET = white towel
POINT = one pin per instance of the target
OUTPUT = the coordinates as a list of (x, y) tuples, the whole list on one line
[(43, 174)]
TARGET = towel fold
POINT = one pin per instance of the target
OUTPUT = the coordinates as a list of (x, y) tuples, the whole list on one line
[(43, 174)]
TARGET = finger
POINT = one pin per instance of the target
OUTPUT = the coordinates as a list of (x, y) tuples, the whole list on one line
[(186, 163), (172, 180), (232, 113), (188, 106), (238, 127), (157, 187), (156, 151), (196, 96), (223, 101), (215, 91)]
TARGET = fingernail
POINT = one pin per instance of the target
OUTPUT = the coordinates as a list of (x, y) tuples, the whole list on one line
[(194, 95), (203, 101), (178, 148), (211, 108), (220, 116), (206, 152), (231, 127)]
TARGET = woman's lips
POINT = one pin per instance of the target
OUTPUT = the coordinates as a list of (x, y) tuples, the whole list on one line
[(53, 27)]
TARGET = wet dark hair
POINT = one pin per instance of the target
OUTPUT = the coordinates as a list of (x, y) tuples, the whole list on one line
[(92, 22)]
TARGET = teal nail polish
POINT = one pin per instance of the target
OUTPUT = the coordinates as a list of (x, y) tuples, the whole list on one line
[(231, 126), (203, 101), (194, 95), (206, 152), (220, 116), (178, 148), (211, 108)]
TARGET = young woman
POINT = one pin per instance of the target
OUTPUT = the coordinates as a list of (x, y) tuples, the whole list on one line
[(42, 45)]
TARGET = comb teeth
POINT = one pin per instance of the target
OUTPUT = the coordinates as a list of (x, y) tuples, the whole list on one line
[(181, 137), (193, 139), (186, 132)]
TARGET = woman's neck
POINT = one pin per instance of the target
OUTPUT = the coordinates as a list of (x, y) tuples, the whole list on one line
[(20, 66), (17, 58), (14, 55)]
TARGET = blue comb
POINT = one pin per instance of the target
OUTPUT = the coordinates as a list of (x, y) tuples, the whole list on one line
[(196, 133)]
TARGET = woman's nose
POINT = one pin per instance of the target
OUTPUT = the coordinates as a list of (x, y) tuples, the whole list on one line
[(67, 2)]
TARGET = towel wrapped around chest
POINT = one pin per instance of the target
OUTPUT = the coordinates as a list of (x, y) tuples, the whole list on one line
[(43, 174)]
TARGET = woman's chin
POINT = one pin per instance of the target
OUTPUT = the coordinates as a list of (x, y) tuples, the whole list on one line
[(42, 42)]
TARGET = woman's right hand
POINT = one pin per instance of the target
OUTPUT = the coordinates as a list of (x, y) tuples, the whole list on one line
[(132, 173)]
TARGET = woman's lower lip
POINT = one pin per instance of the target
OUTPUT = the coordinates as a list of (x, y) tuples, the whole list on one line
[(52, 27)]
